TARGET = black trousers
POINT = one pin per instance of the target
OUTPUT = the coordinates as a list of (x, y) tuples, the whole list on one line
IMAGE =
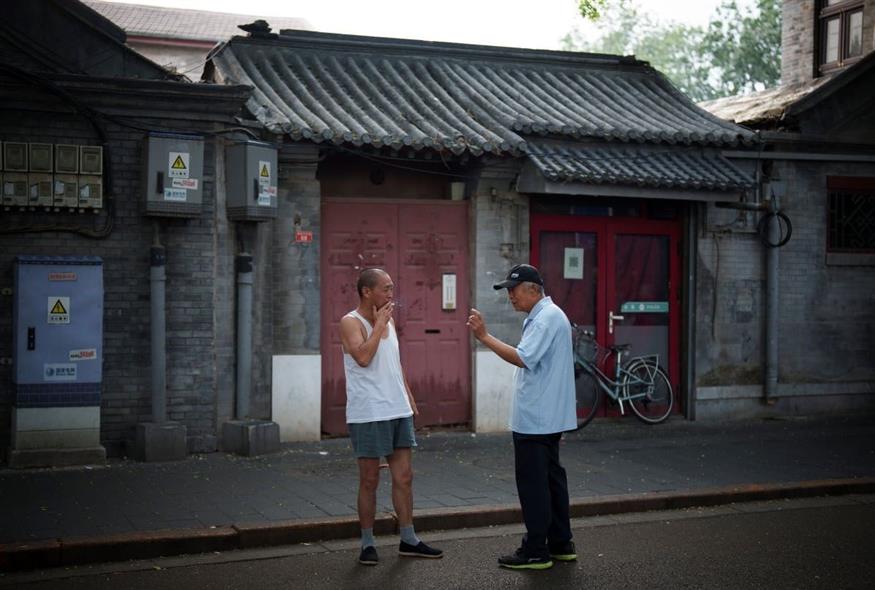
[(543, 490)]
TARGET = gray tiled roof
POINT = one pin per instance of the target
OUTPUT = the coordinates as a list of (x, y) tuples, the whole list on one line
[(176, 23), (391, 92), (637, 165)]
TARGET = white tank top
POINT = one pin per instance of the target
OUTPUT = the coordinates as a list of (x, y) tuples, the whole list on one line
[(376, 392)]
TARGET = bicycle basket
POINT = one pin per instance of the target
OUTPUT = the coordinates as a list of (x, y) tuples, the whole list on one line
[(590, 350)]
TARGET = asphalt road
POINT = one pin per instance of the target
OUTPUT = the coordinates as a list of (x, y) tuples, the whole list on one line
[(811, 543)]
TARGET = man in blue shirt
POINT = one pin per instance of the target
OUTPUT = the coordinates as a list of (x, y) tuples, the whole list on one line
[(543, 408)]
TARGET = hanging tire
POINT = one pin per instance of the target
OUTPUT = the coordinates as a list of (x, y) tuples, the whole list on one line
[(763, 229)]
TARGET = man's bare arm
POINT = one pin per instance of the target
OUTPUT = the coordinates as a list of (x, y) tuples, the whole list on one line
[(354, 342)]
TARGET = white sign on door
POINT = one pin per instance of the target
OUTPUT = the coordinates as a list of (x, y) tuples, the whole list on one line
[(573, 263)]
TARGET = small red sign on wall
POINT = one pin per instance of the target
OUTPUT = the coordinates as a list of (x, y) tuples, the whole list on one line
[(303, 236)]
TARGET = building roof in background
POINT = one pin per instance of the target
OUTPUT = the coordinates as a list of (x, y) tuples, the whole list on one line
[(69, 38), (446, 96), (770, 107), (761, 109), (176, 23)]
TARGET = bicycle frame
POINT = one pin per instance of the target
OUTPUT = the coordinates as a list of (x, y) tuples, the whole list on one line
[(614, 388)]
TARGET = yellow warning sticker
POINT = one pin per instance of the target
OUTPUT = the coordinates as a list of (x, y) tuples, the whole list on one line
[(58, 310), (265, 172), (178, 164)]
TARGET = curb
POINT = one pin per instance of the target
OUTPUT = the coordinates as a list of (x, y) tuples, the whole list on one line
[(163, 543)]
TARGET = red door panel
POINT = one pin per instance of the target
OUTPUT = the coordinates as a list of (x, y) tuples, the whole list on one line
[(417, 243), (434, 340), (356, 236)]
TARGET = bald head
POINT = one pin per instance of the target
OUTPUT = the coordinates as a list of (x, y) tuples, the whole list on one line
[(369, 278)]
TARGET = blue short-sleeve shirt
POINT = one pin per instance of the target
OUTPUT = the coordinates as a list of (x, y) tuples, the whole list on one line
[(544, 399)]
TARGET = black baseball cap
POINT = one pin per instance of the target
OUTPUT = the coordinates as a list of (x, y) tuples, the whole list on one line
[(521, 273)]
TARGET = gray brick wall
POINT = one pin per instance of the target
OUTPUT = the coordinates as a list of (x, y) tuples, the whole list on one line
[(296, 279), (826, 318), (200, 289), (798, 38), (500, 228), (797, 41)]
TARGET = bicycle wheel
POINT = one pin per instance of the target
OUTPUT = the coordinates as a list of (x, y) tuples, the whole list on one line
[(588, 394), (649, 391)]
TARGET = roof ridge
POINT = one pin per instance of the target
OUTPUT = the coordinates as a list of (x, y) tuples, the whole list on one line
[(170, 9), (317, 41)]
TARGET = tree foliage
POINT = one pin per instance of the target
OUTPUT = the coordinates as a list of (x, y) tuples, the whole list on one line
[(736, 53), (591, 9)]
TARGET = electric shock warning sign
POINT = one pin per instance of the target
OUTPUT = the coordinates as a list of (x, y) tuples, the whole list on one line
[(59, 310), (179, 164)]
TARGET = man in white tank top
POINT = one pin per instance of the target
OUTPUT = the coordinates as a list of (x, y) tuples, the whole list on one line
[(379, 412)]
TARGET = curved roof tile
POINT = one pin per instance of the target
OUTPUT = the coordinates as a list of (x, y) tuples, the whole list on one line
[(391, 92), (649, 166)]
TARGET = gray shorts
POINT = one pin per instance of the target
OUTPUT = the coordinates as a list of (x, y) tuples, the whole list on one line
[(380, 439)]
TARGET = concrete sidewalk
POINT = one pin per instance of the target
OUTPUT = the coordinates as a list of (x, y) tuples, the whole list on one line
[(216, 502)]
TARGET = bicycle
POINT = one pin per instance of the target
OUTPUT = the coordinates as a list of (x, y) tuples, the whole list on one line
[(639, 381)]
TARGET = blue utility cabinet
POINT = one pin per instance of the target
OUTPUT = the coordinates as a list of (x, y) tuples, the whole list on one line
[(57, 324)]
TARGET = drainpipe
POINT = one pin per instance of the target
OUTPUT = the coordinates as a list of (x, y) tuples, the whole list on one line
[(774, 230), (244, 333), (158, 280), (689, 312), (770, 207)]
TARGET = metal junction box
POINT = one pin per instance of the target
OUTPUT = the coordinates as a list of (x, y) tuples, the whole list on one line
[(251, 181), (57, 355), (174, 174)]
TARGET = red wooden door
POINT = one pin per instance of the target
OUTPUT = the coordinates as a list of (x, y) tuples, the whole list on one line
[(599, 268), (417, 244), (434, 338)]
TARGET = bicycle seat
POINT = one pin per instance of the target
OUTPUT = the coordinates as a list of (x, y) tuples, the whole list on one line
[(620, 347)]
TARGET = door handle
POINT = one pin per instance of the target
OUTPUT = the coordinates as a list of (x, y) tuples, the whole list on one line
[(611, 319)]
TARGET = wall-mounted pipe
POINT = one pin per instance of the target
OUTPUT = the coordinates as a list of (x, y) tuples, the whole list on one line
[(771, 368), (244, 333), (158, 332)]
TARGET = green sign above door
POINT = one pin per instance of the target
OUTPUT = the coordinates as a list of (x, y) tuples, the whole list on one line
[(645, 307)]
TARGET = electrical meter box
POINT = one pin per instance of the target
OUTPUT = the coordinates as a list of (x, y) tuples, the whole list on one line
[(57, 323), (67, 159), (66, 190), (251, 172), (90, 192), (174, 174), (15, 182)]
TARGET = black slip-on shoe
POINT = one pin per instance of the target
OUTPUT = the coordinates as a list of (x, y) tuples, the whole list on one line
[(421, 550), (368, 556), (523, 561), (563, 552)]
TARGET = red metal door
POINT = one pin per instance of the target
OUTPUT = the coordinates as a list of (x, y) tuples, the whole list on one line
[(598, 268), (417, 244)]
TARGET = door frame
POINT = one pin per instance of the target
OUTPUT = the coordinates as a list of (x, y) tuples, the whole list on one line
[(606, 229)]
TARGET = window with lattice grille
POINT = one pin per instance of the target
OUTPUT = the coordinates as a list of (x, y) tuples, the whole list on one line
[(851, 214)]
